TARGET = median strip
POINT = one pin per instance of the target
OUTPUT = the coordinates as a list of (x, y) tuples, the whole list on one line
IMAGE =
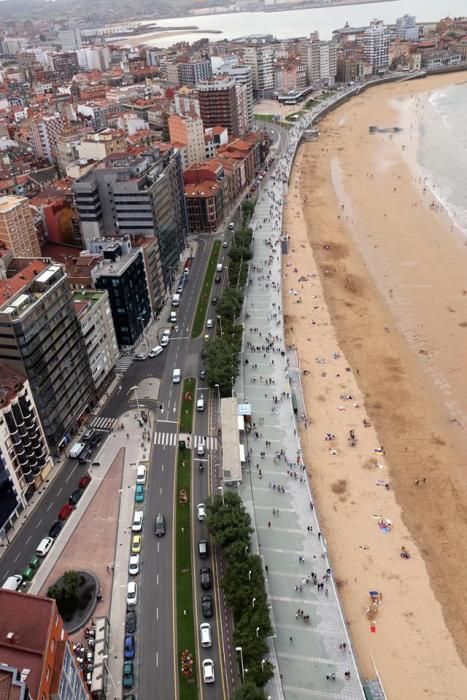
[(186, 658), (203, 301)]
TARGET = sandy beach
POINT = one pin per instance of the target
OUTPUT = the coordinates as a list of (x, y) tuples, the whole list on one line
[(374, 300)]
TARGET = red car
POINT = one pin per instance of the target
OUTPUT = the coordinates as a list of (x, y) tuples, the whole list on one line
[(84, 481), (65, 511)]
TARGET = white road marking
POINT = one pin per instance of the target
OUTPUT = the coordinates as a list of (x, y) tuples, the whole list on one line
[(59, 492), (28, 540), (157, 580), (70, 474), (49, 507), (157, 614), (16, 556), (157, 659)]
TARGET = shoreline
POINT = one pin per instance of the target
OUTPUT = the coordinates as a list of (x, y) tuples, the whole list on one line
[(352, 262)]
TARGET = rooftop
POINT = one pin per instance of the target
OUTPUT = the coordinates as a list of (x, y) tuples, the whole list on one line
[(206, 188), (25, 625), (10, 383), (10, 202)]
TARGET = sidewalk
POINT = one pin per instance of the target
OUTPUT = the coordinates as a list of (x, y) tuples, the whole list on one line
[(276, 490)]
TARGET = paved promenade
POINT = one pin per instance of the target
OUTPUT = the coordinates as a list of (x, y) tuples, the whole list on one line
[(310, 647)]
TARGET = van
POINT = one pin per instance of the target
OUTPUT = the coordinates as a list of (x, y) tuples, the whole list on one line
[(176, 300), (13, 583), (200, 404), (159, 526), (219, 267), (76, 450), (44, 546), (176, 376), (156, 351), (141, 474), (173, 317), (205, 635)]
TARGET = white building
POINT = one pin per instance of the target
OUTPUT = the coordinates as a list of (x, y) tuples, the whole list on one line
[(406, 28), (94, 57), (243, 76), (320, 58), (95, 317), (13, 45), (376, 45), (70, 39)]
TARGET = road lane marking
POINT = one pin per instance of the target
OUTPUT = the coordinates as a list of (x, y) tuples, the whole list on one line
[(157, 580), (160, 491), (49, 507), (28, 540), (17, 556), (71, 473), (39, 521), (157, 659), (59, 492), (157, 614)]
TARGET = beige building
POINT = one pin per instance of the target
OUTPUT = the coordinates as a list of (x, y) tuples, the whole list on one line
[(95, 317), (188, 131), (17, 230), (101, 144)]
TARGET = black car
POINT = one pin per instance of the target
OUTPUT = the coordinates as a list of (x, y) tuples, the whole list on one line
[(203, 549), (215, 300), (95, 441), (205, 577), (217, 279), (206, 605), (75, 496), (56, 529), (202, 374), (130, 621)]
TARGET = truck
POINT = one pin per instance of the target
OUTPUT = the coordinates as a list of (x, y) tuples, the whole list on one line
[(175, 300)]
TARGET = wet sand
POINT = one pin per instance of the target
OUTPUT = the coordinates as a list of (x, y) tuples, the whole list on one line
[(383, 296)]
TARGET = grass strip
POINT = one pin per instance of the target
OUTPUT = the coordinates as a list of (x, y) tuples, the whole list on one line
[(184, 579), (205, 293)]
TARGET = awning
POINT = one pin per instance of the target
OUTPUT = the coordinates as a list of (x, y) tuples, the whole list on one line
[(241, 423), (231, 464)]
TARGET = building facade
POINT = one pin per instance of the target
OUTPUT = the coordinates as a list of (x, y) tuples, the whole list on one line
[(42, 339), (218, 104), (70, 39), (25, 461), (376, 45), (193, 72), (205, 206), (136, 196), (261, 60), (189, 132), (44, 133), (17, 230), (95, 316)]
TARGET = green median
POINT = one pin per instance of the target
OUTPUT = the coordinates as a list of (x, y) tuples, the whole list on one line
[(186, 658), (203, 301)]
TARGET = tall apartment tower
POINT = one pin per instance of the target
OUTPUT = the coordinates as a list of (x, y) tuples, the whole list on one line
[(188, 131), (70, 39), (261, 59), (218, 104), (243, 76), (44, 133), (193, 72), (142, 195), (17, 230), (406, 28), (320, 58), (42, 339), (376, 45)]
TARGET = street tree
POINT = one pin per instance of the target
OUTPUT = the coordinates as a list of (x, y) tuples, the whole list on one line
[(248, 691)]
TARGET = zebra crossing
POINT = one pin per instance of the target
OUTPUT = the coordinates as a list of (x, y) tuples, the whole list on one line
[(122, 365), (103, 423), (171, 440)]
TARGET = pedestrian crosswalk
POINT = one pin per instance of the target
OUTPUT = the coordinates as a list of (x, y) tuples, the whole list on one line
[(171, 440), (122, 365), (103, 423)]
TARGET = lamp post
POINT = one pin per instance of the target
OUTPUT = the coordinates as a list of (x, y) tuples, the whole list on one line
[(135, 389), (253, 602), (141, 320), (249, 575), (257, 634), (221, 489), (218, 393), (219, 318), (239, 649)]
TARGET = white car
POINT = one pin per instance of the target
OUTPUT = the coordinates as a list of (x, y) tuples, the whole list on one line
[(165, 340), (133, 566), (132, 593), (137, 521), (200, 450), (156, 351), (201, 511), (44, 546), (140, 356), (208, 671), (209, 323)]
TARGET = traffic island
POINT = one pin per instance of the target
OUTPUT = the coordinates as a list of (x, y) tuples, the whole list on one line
[(186, 657), (205, 293), (76, 594)]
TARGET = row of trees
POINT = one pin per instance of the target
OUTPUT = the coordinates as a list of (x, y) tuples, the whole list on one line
[(222, 351), (245, 594)]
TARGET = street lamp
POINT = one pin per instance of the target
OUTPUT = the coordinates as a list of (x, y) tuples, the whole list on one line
[(239, 649), (218, 392), (263, 661), (221, 489), (253, 602), (249, 575), (257, 634), (135, 389), (219, 318)]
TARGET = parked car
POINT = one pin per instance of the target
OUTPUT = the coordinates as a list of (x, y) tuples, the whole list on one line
[(75, 496), (56, 529), (65, 511), (130, 621), (139, 493), (201, 508), (206, 606), (140, 356), (133, 565), (84, 481), (203, 549), (208, 671), (138, 518), (157, 350), (205, 577), (129, 647), (95, 441), (132, 593), (128, 678), (43, 548), (136, 541)]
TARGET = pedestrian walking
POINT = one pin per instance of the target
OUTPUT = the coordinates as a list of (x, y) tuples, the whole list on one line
[(269, 524)]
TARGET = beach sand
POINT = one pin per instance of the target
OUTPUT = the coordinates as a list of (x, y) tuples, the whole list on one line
[(383, 288)]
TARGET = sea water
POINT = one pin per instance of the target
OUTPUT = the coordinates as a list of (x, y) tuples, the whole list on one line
[(442, 149)]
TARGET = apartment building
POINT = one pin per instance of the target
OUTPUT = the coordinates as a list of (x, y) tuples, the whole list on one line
[(65, 65), (122, 274), (205, 206), (376, 45), (188, 131), (96, 146), (95, 317), (17, 230), (25, 461), (320, 58), (192, 72), (44, 133), (37, 658), (137, 196), (70, 39), (406, 28), (218, 104), (42, 339), (261, 60)]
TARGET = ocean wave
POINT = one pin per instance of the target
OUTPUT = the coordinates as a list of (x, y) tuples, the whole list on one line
[(443, 195)]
